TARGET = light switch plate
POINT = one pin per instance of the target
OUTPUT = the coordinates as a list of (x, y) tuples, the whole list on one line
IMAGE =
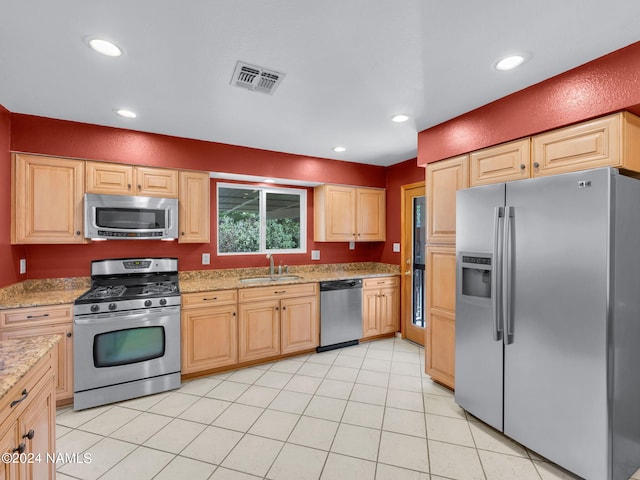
[(396, 247), (23, 266), (315, 254), (206, 259)]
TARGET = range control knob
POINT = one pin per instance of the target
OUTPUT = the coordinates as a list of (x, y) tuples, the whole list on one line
[(147, 303), (163, 301), (112, 306), (95, 308)]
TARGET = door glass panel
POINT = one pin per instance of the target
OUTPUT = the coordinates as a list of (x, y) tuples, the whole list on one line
[(122, 347), (419, 253)]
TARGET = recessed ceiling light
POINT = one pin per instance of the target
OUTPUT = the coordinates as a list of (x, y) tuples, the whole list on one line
[(339, 149), (123, 112), (401, 117), (105, 47), (510, 62)]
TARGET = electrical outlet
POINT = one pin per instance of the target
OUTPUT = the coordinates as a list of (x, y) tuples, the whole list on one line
[(206, 258), (396, 247), (352, 245), (315, 254), (23, 266)]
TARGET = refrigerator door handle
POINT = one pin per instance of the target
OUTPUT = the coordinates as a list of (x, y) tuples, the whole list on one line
[(507, 276), (496, 283)]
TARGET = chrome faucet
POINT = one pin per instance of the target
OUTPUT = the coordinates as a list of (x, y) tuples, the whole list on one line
[(271, 268)]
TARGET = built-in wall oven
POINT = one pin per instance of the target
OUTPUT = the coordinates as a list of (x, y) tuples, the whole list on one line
[(127, 331)]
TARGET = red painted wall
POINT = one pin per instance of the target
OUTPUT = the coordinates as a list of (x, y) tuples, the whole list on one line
[(69, 139), (397, 175), (605, 85)]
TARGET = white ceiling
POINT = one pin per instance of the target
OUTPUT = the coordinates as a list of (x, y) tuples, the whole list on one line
[(349, 64)]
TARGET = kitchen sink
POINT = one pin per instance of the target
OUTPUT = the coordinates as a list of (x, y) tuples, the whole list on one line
[(278, 278)]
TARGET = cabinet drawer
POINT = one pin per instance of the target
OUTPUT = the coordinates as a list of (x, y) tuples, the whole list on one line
[(33, 316), (379, 282), (207, 299), (280, 291)]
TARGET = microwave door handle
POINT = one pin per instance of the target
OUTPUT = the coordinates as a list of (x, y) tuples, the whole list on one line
[(496, 269)]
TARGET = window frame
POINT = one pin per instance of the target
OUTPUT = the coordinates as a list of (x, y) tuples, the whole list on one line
[(262, 213)]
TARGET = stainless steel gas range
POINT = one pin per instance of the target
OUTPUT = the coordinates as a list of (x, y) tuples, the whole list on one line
[(127, 331)]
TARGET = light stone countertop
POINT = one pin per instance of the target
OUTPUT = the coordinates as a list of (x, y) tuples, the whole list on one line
[(18, 356)]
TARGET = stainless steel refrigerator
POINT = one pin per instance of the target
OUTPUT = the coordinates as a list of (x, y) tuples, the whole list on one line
[(548, 316)]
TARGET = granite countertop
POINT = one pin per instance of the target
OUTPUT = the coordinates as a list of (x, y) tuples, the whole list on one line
[(18, 356), (56, 291)]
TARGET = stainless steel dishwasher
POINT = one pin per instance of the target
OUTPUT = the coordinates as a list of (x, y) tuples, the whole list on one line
[(340, 313)]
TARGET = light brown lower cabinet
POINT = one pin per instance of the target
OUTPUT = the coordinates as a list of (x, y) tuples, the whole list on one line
[(277, 320), (209, 330), (380, 306), (27, 424), (34, 321), (440, 332)]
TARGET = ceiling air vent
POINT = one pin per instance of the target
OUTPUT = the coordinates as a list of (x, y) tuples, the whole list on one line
[(256, 78)]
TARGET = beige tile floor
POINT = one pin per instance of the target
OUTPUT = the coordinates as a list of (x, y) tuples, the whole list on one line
[(362, 412)]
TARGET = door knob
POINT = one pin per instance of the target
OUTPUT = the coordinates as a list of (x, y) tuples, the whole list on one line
[(408, 272)]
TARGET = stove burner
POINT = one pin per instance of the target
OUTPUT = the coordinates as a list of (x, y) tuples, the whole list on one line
[(159, 288), (108, 291)]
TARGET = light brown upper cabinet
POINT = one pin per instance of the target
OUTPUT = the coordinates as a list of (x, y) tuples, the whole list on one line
[(120, 179), (194, 207), (47, 204), (443, 180), (502, 163), (613, 141), (344, 214)]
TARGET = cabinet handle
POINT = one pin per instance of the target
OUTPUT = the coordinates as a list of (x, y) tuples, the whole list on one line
[(25, 394), (522, 166), (234, 314), (182, 233), (38, 316), (128, 186), (139, 187), (284, 308), (77, 232), (277, 308), (20, 448), (69, 334), (30, 434), (536, 165), (209, 299), (281, 291)]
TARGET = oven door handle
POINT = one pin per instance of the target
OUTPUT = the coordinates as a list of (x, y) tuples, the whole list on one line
[(129, 317)]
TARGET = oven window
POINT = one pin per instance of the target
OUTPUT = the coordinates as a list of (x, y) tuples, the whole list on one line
[(130, 218), (132, 345)]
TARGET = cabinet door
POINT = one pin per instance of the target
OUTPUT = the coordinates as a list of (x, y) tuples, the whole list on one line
[(335, 213), (299, 324), (48, 200), (440, 332), (8, 442), (370, 322), (370, 215), (109, 178), (63, 354), (209, 338), (36, 428), (502, 163), (258, 330), (156, 182), (443, 180), (194, 207), (389, 307)]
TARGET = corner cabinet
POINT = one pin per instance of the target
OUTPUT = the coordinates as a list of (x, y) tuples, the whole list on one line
[(380, 306), (35, 321), (48, 199), (277, 320), (209, 330), (194, 207), (346, 214)]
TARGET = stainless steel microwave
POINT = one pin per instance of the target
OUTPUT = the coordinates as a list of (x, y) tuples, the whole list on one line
[(124, 217)]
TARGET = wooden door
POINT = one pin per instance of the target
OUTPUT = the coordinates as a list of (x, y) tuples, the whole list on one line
[(258, 330), (413, 240), (48, 200), (370, 215), (156, 182), (109, 178), (194, 203), (440, 333), (444, 178), (209, 338), (502, 163), (299, 323)]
